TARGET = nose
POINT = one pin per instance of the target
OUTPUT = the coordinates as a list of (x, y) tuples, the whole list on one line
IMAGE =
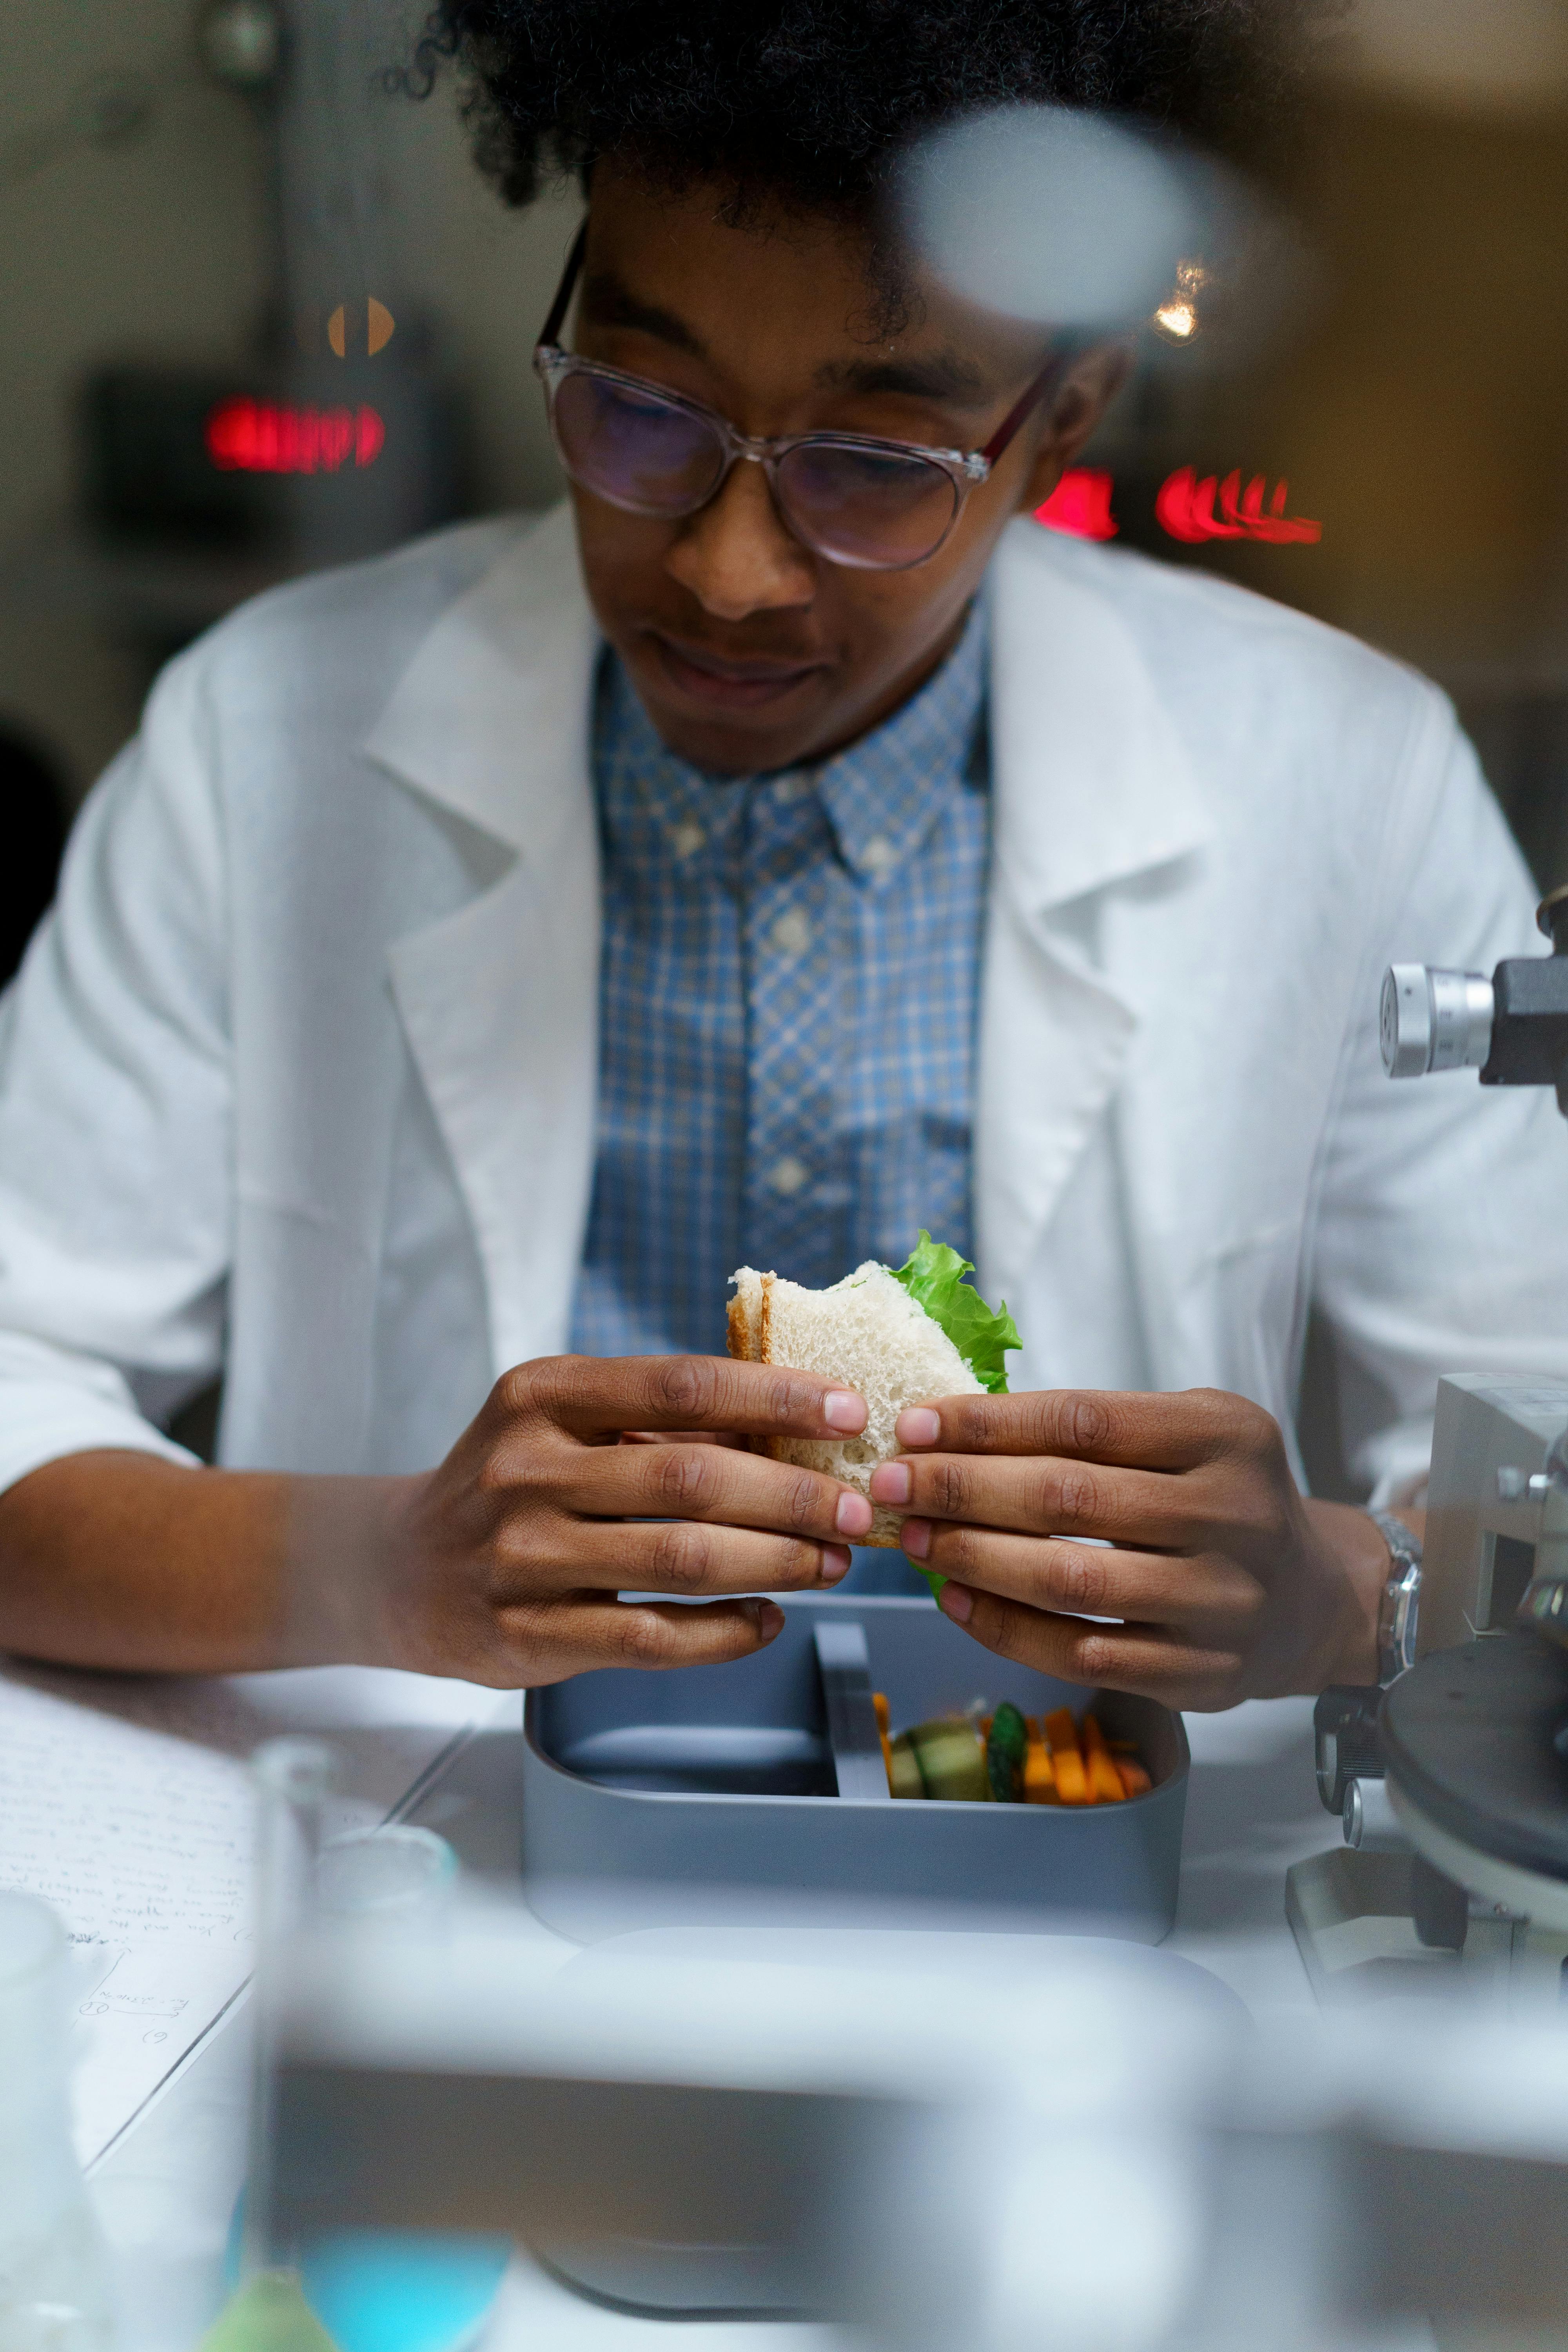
[(735, 555)]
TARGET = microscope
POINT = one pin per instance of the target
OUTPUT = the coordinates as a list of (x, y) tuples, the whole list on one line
[(1452, 1783)]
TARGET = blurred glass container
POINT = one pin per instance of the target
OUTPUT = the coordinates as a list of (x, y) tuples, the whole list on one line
[(389, 1881), (373, 2291), (53, 2276)]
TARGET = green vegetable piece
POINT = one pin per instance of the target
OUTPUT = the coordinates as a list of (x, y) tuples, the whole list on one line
[(952, 1760), (1009, 1731), (905, 1780), (933, 1276), (1004, 1752)]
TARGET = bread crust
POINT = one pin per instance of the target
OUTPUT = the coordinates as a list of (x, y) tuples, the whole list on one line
[(750, 1341)]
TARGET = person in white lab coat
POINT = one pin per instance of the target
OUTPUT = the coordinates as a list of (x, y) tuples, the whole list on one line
[(300, 1081)]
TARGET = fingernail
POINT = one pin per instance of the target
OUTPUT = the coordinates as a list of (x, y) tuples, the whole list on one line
[(914, 1536), (835, 1563), (853, 1517), (891, 1482), (956, 1602), (766, 1616), (919, 1426), (842, 1409)]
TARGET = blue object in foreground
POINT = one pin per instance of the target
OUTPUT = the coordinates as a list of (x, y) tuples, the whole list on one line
[(403, 2290)]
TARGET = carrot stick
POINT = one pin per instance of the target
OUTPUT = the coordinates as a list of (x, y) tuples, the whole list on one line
[(1039, 1774), (1134, 1779), (1101, 1765), (884, 1713), (1067, 1758)]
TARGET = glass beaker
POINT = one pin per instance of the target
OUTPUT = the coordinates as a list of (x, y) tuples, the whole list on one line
[(54, 2272), (374, 2290)]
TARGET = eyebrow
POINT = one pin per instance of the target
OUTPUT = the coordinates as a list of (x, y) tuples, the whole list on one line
[(947, 376), (609, 303)]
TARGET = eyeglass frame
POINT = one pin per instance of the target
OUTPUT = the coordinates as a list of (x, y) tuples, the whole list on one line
[(963, 469)]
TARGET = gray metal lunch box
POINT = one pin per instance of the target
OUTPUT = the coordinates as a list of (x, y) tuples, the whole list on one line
[(650, 1798)]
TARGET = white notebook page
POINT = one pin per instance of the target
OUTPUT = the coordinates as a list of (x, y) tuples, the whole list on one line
[(126, 1803)]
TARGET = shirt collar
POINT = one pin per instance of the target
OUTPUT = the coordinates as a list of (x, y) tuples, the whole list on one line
[(881, 795), (664, 810)]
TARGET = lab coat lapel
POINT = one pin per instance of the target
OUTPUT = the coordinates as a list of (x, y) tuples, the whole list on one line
[(500, 1000), (1092, 789)]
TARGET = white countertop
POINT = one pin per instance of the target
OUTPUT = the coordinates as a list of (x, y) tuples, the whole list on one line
[(166, 2191)]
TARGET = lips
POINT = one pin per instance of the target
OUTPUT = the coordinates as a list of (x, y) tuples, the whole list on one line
[(719, 682)]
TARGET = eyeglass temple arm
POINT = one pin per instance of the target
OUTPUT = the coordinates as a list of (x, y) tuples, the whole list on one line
[(551, 326), (1044, 385)]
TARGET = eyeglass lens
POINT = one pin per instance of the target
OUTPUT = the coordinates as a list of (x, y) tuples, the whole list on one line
[(870, 508), (866, 507), (633, 449)]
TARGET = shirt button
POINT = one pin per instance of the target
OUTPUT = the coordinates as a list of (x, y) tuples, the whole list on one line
[(790, 934), (878, 855), (687, 837), (787, 1175)]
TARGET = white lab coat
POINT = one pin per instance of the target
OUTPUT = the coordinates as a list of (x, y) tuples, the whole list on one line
[(298, 1079)]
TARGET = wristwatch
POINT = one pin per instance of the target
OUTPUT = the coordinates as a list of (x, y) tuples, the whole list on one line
[(1398, 1608)]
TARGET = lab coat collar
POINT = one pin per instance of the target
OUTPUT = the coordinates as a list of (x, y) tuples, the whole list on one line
[(1093, 782), (499, 999), (491, 718), (1092, 789)]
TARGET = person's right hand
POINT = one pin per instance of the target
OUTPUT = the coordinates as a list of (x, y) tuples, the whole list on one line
[(504, 1564)]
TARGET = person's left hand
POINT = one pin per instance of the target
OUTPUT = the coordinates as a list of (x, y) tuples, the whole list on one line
[(1225, 1582)]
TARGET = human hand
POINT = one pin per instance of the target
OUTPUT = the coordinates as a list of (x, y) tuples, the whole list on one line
[(1227, 1583), (503, 1565)]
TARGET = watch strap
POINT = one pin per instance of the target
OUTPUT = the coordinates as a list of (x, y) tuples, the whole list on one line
[(1399, 1608)]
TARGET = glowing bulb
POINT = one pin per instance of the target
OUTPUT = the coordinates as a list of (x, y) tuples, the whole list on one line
[(1178, 316), (1177, 320)]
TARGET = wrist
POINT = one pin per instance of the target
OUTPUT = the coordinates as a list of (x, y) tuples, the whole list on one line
[(347, 1539), (1349, 1653)]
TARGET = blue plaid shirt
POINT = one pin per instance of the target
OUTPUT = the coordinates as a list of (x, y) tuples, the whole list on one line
[(789, 982)]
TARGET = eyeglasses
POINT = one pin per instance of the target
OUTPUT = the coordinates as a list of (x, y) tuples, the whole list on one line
[(878, 506)]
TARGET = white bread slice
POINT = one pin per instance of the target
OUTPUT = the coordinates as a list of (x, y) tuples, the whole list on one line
[(865, 1332)]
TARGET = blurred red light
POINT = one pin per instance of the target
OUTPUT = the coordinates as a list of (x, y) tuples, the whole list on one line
[(265, 436), (1186, 508), (1081, 505)]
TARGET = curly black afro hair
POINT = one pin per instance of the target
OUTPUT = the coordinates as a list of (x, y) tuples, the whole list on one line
[(809, 102)]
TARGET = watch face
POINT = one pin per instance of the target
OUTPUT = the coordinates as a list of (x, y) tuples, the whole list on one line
[(1396, 1620), (1396, 1612)]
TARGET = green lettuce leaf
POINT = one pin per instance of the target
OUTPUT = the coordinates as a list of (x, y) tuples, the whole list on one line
[(933, 1276)]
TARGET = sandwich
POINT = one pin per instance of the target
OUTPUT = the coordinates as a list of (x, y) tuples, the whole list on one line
[(899, 1335)]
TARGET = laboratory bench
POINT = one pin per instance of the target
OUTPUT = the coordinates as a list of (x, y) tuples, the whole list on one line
[(166, 2191)]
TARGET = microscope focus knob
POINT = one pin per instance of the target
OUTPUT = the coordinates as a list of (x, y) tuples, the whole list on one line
[(1432, 1020)]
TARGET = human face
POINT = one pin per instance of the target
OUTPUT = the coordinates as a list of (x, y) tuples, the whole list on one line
[(750, 651)]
